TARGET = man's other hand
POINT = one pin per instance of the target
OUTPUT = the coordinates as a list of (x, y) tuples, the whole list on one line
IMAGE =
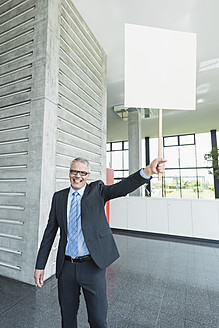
[(156, 167), (38, 277)]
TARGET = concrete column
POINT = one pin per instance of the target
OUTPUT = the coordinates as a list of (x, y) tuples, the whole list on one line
[(134, 136), (53, 109)]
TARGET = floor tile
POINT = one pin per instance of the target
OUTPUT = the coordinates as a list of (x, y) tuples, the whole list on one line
[(167, 321), (166, 284), (144, 316)]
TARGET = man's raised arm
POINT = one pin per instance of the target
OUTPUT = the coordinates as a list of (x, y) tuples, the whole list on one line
[(134, 181)]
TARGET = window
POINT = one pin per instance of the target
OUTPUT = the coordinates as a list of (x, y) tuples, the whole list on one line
[(206, 184), (187, 140), (172, 154), (170, 141), (203, 146), (186, 174), (172, 183), (187, 156), (117, 159), (116, 145)]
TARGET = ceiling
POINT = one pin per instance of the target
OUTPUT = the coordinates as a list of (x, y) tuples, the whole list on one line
[(106, 20)]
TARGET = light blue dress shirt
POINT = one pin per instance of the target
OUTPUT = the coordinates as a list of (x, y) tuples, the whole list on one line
[(82, 247), (144, 175)]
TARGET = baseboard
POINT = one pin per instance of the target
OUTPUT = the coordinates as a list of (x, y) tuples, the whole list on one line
[(166, 237)]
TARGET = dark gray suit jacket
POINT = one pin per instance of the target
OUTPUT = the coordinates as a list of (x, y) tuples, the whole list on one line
[(97, 233)]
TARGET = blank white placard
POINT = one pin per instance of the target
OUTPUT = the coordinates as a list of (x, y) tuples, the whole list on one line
[(160, 68)]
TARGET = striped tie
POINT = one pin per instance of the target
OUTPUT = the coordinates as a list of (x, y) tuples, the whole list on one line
[(73, 225)]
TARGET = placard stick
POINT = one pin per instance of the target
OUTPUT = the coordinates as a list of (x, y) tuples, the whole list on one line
[(160, 143)]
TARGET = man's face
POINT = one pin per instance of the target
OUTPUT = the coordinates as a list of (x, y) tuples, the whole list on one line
[(77, 180)]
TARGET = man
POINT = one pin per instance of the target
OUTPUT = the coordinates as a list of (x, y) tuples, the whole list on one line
[(86, 245)]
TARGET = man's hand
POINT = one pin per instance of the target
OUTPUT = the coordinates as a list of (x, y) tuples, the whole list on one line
[(38, 277), (157, 166)]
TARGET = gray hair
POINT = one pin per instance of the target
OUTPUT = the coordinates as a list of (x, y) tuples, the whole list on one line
[(82, 160)]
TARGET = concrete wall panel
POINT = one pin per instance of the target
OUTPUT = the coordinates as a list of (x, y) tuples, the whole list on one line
[(68, 49), (14, 136), (16, 56), (88, 134), (67, 90), (12, 171), (67, 60), (73, 151), (90, 46), (17, 47), (67, 104), (78, 80), (82, 94), (12, 10)]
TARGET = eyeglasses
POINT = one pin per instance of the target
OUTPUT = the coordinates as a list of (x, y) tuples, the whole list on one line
[(82, 173)]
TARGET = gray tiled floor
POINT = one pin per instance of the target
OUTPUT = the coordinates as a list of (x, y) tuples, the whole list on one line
[(155, 283)]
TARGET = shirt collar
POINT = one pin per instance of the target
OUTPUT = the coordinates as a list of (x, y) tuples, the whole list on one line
[(80, 191)]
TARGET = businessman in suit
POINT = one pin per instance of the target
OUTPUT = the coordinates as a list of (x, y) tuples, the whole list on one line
[(86, 245)]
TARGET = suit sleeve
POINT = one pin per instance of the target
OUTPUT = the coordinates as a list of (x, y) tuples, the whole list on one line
[(48, 237), (123, 187)]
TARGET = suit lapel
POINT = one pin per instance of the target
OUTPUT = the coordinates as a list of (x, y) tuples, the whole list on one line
[(86, 190), (64, 207), (83, 202)]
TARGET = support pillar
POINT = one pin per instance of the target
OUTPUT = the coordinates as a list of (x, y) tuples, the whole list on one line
[(53, 109), (134, 136)]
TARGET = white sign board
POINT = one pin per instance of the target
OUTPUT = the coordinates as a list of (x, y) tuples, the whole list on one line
[(160, 68)]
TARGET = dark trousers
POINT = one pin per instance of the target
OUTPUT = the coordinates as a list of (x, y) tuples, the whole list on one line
[(92, 280)]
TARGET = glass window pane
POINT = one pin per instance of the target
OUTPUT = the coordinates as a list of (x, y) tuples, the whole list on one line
[(206, 181), (171, 154), (156, 187), (126, 174), (187, 140), (172, 183), (117, 160), (189, 183), (126, 159), (187, 156), (170, 141), (153, 148), (117, 145), (117, 180), (118, 174), (126, 145), (143, 160), (108, 159), (203, 146)]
